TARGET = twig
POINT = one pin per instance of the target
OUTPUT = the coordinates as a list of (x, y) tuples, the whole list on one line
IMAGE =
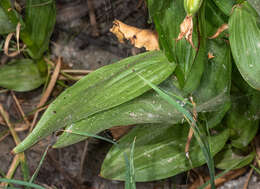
[(27, 123), (20, 156), (77, 71), (11, 170), (92, 18), (82, 161), (48, 91), (248, 178), (11, 128)]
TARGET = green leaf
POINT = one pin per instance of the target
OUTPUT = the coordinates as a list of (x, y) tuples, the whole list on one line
[(148, 108), (5, 25), (225, 6), (167, 16), (214, 18), (229, 157), (243, 120), (21, 75), (103, 89), (216, 79), (39, 20), (246, 48), (159, 152)]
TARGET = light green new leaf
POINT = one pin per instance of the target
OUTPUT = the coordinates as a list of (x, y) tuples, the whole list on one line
[(39, 20), (245, 43), (159, 152), (103, 89), (21, 75)]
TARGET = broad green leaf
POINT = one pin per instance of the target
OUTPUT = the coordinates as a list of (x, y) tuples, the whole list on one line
[(225, 5), (148, 108), (243, 120), (39, 20), (21, 75), (214, 18), (212, 96), (5, 25), (246, 48), (159, 152), (193, 77), (216, 79), (103, 89), (230, 157), (167, 16)]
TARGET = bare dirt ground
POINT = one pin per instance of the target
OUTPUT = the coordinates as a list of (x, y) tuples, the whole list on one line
[(83, 45)]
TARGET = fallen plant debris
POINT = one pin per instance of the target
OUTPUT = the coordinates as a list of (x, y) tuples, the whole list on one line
[(138, 37)]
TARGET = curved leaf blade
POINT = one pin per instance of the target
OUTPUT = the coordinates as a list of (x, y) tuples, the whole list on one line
[(100, 91), (246, 48), (159, 152)]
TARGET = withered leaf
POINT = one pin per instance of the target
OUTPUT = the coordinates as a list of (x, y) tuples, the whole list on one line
[(138, 37)]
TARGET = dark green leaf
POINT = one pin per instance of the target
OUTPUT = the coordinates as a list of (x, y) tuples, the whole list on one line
[(243, 120), (225, 5), (103, 89), (5, 25), (21, 75), (246, 48), (159, 152), (167, 16), (39, 19), (229, 157)]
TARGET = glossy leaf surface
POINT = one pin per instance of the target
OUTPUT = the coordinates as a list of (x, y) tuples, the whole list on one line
[(225, 6), (246, 48), (105, 88), (159, 152), (21, 75)]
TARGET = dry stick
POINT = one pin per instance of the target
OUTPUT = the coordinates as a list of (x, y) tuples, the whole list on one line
[(92, 18), (248, 178), (228, 176), (83, 158), (6, 46), (6, 135), (19, 157), (187, 146), (11, 170), (69, 77), (77, 71), (18, 29), (27, 123), (48, 91)]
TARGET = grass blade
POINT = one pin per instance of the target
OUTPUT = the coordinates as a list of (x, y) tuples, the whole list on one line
[(23, 183), (201, 139), (39, 166), (130, 173)]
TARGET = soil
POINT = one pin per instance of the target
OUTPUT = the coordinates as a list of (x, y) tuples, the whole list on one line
[(77, 42)]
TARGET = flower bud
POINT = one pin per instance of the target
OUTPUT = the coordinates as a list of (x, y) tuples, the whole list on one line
[(192, 6)]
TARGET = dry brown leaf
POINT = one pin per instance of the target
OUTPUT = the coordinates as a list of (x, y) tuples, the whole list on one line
[(186, 29), (210, 55), (219, 31), (119, 131), (138, 37)]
